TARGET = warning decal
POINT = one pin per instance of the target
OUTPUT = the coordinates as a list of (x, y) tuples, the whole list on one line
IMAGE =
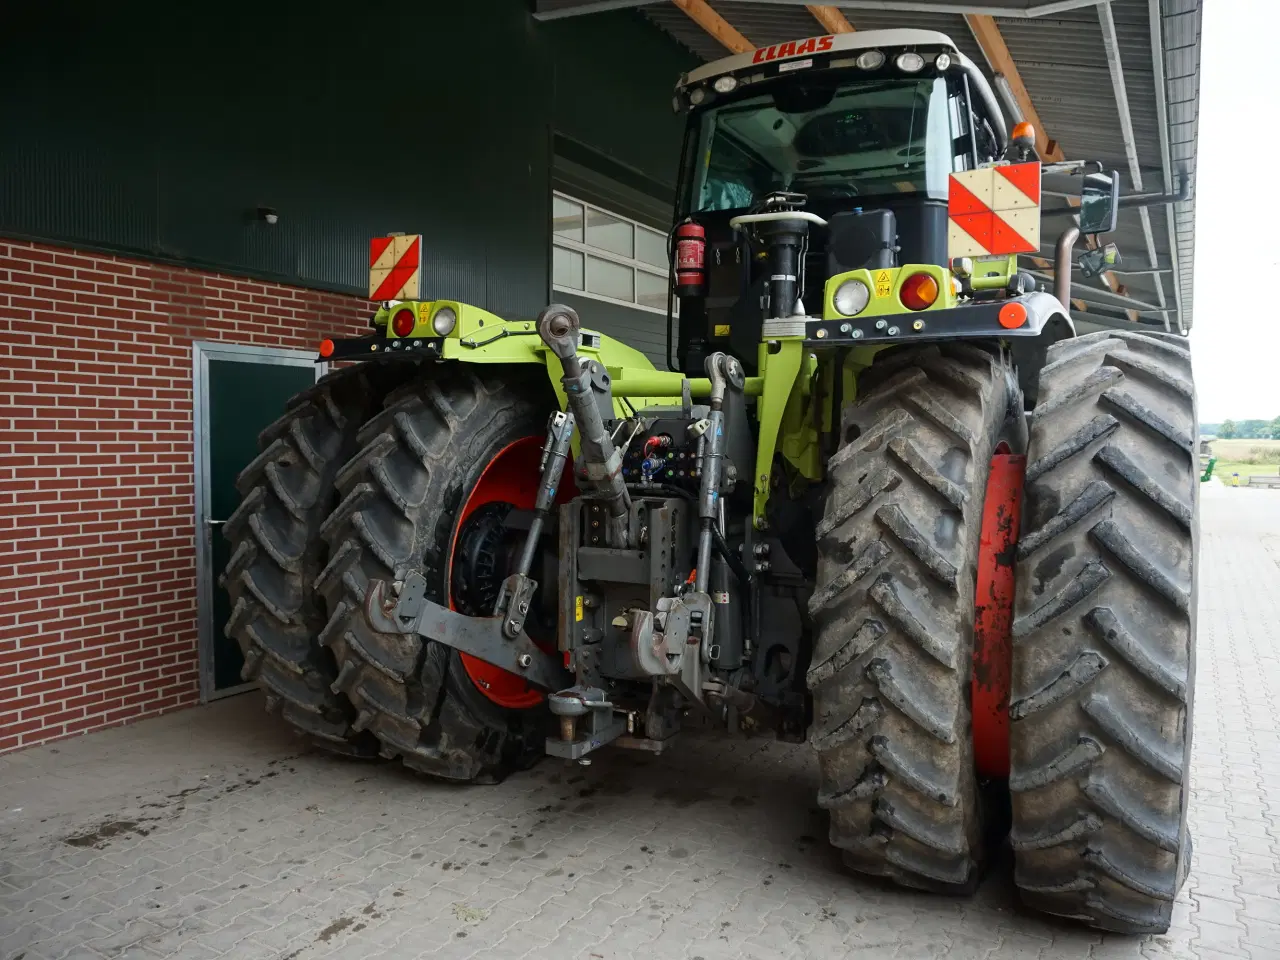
[(395, 267), (884, 283), (994, 211)]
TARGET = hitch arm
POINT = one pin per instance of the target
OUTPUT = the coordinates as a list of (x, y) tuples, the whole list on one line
[(481, 637), (559, 328)]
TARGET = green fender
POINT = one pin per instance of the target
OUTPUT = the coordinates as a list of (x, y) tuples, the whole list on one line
[(479, 336)]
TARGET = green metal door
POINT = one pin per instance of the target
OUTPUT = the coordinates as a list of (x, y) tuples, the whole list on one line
[(241, 398)]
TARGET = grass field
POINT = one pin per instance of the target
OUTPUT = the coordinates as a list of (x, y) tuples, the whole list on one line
[(1245, 457)]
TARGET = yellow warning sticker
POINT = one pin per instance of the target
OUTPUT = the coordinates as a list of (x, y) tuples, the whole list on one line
[(884, 283), (722, 329), (424, 311), (577, 609)]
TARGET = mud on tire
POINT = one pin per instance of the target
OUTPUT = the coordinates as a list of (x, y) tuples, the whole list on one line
[(890, 674), (402, 494), (1104, 633), (287, 492)]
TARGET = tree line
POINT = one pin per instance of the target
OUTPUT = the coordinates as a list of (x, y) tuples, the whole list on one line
[(1243, 429)]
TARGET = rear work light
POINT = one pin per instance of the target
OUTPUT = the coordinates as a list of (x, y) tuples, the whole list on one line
[(403, 321), (870, 60), (918, 291), (910, 62)]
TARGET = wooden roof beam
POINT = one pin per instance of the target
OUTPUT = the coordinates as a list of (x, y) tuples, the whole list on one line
[(720, 29), (832, 20), (991, 40)]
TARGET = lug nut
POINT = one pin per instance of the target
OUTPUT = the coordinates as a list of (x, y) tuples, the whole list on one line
[(524, 660)]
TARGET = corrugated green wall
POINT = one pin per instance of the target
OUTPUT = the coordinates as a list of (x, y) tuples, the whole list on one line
[(160, 130)]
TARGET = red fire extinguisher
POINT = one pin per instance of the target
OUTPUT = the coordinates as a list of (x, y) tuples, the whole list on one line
[(691, 255)]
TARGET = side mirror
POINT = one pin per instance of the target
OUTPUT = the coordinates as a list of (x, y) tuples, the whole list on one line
[(1099, 202), (1094, 262)]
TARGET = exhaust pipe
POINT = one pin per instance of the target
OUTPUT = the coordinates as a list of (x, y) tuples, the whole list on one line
[(1062, 263)]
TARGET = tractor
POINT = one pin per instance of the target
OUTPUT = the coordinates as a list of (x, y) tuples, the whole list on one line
[(885, 500)]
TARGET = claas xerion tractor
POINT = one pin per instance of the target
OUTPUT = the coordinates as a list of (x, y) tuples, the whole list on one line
[(887, 501)]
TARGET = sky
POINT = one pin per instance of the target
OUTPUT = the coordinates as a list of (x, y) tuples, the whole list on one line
[(1235, 337)]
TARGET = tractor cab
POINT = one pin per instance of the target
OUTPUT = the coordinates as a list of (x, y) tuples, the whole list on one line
[(832, 159)]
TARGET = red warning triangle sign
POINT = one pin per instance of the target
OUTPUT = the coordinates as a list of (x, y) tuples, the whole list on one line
[(976, 225), (961, 200), (1004, 239), (1024, 176), (378, 246)]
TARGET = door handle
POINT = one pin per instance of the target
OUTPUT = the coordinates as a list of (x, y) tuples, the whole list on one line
[(214, 523)]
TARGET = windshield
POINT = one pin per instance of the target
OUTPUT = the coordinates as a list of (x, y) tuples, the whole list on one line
[(827, 139)]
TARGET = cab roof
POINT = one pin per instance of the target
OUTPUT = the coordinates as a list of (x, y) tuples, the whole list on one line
[(886, 40)]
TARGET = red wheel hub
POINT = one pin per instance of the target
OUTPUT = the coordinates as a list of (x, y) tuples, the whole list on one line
[(993, 613), (512, 478)]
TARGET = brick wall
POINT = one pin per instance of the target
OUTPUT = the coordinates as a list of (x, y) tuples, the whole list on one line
[(97, 495)]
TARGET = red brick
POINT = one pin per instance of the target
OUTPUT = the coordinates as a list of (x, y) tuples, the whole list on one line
[(95, 470)]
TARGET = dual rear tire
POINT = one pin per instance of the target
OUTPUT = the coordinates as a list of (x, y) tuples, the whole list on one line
[(1103, 629), (364, 478)]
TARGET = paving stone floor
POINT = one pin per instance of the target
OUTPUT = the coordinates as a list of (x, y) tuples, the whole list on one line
[(213, 833)]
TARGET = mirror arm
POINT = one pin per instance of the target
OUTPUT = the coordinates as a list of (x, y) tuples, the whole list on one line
[(1071, 168), (1158, 199)]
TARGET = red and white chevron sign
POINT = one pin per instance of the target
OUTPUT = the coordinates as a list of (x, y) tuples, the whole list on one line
[(994, 211), (395, 267)]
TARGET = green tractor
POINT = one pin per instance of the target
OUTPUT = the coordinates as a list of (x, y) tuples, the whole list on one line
[(886, 502)]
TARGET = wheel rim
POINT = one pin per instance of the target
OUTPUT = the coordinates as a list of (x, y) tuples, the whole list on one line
[(993, 613), (510, 478)]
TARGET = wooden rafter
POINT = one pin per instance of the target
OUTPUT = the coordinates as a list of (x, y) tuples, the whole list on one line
[(832, 20), (991, 40), (717, 26)]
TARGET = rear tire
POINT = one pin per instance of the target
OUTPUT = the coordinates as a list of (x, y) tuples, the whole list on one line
[(276, 551), (890, 674), (403, 492), (1104, 634)]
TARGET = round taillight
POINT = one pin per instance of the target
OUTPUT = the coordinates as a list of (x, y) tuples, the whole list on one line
[(918, 291), (402, 322), (326, 348)]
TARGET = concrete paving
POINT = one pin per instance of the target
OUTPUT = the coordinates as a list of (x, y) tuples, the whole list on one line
[(213, 833)]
